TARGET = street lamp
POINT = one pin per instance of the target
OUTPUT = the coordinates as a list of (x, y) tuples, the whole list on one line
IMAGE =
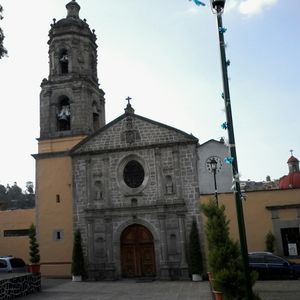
[(217, 7), (213, 165)]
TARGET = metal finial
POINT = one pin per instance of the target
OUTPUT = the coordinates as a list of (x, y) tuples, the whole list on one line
[(291, 152)]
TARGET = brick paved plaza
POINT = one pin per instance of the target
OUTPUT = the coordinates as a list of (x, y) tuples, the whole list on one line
[(58, 289)]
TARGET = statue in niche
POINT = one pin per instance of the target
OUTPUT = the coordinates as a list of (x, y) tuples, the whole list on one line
[(169, 185), (130, 138), (98, 190)]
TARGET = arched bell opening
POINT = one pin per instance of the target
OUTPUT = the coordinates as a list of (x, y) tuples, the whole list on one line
[(63, 114)]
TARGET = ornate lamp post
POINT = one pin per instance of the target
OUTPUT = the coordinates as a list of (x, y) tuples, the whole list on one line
[(218, 8), (213, 165)]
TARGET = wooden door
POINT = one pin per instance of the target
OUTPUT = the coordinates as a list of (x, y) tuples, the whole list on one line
[(137, 252)]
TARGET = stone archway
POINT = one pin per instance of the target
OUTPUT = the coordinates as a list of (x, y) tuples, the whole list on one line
[(137, 252)]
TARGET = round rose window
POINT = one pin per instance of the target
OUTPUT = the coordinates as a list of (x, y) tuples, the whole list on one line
[(133, 174)]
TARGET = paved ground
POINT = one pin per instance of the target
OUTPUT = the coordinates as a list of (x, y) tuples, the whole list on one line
[(278, 289), (123, 290), (157, 290)]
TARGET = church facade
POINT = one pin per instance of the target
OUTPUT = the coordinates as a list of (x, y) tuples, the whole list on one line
[(130, 186)]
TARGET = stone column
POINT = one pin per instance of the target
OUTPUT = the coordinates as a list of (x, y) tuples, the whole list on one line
[(164, 269), (106, 176), (90, 248), (177, 173), (184, 272), (89, 195), (159, 177), (109, 266)]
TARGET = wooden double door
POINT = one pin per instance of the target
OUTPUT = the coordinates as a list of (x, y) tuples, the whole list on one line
[(137, 252)]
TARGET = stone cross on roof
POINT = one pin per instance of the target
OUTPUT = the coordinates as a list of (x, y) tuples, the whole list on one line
[(129, 108), (128, 99)]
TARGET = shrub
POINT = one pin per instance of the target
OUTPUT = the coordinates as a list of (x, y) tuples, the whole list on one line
[(34, 252), (78, 267), (195, 255), (270, 242), (224, 257)]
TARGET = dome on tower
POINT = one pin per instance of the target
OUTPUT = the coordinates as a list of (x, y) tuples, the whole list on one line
[(292, 159), (292, 180), (71, 23)]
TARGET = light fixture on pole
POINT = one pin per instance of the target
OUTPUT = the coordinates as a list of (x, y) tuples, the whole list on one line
[(217, 7), (213, 165)]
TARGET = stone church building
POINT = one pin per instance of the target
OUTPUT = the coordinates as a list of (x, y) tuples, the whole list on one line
[(131, 186)]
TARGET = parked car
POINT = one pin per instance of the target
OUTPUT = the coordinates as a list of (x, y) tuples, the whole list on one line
[(270, 266), (13, 264)]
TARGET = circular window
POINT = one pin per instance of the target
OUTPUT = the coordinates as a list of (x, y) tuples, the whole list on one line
[(133, 174)]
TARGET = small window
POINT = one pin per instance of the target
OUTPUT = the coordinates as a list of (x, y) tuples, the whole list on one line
[(57, 198), (16, 232), (58, 235)]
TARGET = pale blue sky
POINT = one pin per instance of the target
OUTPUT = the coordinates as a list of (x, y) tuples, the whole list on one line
[(164, 54)]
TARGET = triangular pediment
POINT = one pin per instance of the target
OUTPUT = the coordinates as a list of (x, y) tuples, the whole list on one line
[(132, 131)]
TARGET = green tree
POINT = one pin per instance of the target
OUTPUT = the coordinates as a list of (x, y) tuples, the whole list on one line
[(34, 252), (195, 254), (12, 197), (29, 187), (78, 267), (270, 242), (224, 256), (3, 51)]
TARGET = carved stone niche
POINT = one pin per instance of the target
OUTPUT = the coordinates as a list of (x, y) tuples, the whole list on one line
[(169, 185), (98, 190)]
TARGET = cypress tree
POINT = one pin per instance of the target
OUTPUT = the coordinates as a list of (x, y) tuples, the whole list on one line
[(224, 257), (78, 268), (34, 252), (195, 255)]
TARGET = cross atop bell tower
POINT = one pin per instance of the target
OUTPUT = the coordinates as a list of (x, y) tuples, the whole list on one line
[(71, 102)]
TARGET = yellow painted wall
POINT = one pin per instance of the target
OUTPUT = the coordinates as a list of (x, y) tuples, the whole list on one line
[(54, 177), (13, 220), (257, 218), (57, 145)]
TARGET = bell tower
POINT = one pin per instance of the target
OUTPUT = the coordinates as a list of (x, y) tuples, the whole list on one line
[(71, 102), (72, 107)]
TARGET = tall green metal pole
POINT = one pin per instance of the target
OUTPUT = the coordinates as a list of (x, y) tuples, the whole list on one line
[(231, 140)]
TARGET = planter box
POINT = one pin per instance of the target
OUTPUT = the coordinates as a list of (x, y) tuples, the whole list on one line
[(34, 268), (76, 278), (218, 295), (196, 277)]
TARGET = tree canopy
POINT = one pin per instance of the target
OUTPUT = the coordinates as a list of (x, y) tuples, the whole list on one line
[(3, 51), (12, 197)]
